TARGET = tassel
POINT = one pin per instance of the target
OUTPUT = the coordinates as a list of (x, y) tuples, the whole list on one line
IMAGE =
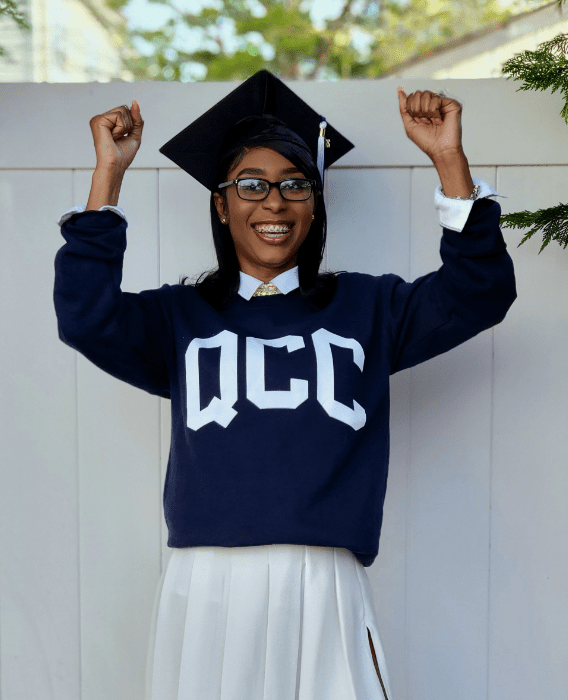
[(321, 145)]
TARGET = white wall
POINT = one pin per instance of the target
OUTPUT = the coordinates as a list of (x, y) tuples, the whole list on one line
[(471, 580)]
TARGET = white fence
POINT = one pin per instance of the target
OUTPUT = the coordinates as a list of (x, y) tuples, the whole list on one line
[(471, 581)]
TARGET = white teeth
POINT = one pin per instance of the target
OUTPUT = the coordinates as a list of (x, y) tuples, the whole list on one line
[(272, 229)]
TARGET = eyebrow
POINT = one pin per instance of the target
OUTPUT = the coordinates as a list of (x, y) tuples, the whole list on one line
[(260, 171)]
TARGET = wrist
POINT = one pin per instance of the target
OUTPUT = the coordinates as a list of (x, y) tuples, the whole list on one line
[(453, 170), (448, 157), (110, 171), (105, 187)]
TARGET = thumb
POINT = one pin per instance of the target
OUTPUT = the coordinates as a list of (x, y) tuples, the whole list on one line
[(137, 119), (402, 105)]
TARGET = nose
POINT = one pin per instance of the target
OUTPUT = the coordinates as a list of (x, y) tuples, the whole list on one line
[(274, 201)]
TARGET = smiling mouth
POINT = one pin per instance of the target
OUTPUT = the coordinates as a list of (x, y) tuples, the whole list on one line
[(272, 234)]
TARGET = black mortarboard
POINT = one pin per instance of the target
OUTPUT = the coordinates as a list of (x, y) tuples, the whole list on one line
[(260, 109)]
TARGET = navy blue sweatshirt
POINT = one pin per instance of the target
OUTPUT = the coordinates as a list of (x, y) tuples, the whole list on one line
[(280, 413)]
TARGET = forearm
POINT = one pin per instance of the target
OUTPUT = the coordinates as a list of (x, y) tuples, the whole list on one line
[(105, 188), (454, 174)]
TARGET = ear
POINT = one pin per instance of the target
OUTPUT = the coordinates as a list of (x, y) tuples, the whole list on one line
[(221, 205)]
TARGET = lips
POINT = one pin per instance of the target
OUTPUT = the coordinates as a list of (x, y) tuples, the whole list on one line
[(268, 239)]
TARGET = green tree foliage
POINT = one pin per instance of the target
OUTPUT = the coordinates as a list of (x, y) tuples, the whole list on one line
[(9, 8), (541, 70), (238, 37)]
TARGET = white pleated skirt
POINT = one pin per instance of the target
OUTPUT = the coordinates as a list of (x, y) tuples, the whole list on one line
[(270, 622)]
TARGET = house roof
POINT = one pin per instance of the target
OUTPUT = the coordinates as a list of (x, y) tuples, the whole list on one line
[(503, 39)]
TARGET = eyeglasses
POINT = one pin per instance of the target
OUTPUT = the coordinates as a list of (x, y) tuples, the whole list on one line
[(254, 188)]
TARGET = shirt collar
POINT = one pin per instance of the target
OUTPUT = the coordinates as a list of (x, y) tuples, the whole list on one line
[(286, 282)]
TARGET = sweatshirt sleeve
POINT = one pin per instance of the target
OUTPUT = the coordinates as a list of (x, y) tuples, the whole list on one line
[(123, 333), (471, 292)]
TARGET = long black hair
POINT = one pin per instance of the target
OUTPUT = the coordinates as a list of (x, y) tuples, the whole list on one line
[(222, 283)]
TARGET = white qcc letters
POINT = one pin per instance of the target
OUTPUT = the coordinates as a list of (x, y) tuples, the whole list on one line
[(221, 409)]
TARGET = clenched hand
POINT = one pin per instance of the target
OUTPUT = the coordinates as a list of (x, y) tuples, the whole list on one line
[(432, 122)]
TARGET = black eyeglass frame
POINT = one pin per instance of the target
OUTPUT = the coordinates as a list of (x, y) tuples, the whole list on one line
[(313, 188)]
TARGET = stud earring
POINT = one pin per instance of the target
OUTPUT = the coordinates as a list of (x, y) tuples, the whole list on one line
[(223, 220), (313, 217)]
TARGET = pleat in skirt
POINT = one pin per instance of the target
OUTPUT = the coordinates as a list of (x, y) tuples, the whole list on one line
[(270, 622)]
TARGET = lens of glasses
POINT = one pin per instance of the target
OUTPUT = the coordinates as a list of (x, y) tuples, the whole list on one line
[(253, 188)]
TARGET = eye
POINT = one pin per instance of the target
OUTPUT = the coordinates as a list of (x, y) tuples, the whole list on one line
[(252, 185), (291, 185)]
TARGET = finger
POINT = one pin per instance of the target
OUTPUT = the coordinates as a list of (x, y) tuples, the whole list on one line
[(405, 113), (116, 115), (402, 104), (119, 127), (127, 118), (436, 108), (414, 106), (425, 110), (446, 95), (124, 120), (138, 121), (425, 98), (430, 106)]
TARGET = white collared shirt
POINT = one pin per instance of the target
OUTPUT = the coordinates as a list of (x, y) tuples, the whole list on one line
[(286, 282)]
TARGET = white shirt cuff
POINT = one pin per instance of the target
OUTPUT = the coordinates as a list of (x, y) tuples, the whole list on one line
[(82, 207), (454, 212)]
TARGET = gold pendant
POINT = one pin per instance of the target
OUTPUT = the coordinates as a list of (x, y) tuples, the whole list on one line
[(266, 289)]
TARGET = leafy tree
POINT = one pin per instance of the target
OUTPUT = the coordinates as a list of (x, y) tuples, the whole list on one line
[(9, 8), (238, 37), (540, 70)]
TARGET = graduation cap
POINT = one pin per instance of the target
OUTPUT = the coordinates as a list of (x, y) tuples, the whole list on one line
[(260, 109)]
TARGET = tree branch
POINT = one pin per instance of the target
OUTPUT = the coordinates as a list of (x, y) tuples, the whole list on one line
[(220, 45), (325, 48)]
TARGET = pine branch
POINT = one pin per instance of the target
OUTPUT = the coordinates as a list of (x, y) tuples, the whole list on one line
[(540, 69), (553, 222)]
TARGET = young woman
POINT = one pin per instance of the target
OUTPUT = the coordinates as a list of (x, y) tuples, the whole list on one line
[(278, 378)]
